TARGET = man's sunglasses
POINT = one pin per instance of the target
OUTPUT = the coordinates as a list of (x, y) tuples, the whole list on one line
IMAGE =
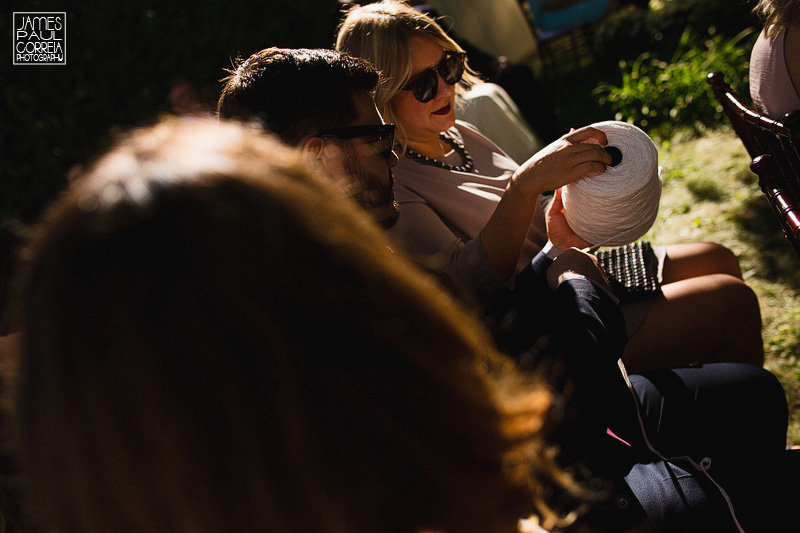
[(425, 85), (381, 135)]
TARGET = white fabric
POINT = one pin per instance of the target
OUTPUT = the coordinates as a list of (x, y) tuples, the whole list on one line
[(488, 107), (497, 27)]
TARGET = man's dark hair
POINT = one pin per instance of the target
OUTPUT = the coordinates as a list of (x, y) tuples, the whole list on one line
[(296, 93)]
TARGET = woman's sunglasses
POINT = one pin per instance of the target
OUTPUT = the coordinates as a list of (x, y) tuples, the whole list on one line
[(382, 136), (425, 85)]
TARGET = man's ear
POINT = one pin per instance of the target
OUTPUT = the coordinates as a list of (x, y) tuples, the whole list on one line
[(323, 156), (313, 149)]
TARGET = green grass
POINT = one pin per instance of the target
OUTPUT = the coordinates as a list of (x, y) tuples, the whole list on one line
[(710, 195)]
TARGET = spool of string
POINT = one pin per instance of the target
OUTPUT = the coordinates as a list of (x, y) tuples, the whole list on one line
[(618, 206)]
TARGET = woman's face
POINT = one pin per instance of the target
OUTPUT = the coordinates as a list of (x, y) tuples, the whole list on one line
[(424, 121)]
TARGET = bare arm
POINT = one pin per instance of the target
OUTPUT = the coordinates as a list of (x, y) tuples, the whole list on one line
[(561, 162), (558, 231)]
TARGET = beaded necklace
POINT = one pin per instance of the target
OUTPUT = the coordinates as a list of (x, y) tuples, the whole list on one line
[(466, 166)]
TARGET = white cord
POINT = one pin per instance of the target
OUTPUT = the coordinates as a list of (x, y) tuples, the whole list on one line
[(704, 465)]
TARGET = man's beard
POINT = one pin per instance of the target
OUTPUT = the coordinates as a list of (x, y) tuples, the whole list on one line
[(372, 192)]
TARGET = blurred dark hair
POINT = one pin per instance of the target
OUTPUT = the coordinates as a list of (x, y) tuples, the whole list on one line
[(12, 237), (214, 339)]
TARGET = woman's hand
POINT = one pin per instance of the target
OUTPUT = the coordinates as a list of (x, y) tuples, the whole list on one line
[(558, 231), (576, 155), (572, 263)]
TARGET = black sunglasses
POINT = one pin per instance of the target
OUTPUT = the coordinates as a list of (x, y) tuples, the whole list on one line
[(383, 134), (425, 85)]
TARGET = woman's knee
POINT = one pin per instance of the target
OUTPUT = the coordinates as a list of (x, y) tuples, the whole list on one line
[(707, 319), (716, 295), (738, 319), (732, 301), (736, 294), (724, 259), (690, 260), (723, 315)]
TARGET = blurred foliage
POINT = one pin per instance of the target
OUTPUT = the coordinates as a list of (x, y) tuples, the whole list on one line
[(631, 32), (634, 39), (122, 60), (663, 96)]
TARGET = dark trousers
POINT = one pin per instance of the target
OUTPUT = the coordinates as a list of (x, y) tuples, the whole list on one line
[(736, 416)]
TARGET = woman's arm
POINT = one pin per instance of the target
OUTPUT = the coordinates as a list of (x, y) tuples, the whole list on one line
[(575, 155), (422, 235)]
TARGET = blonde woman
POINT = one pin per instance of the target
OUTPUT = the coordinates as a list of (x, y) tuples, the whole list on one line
[(468, 210), (775, 60)]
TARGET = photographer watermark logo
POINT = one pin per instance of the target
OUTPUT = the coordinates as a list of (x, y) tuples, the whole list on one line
[(40, 38)]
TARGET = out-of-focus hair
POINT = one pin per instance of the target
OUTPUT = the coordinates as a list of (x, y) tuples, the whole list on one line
[(12, 237), (215, 340), (778, 15), (296, 93), (381, 33)]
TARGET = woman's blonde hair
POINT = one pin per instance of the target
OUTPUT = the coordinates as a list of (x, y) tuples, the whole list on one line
[(778, 15), (381, 33), (214, 339)]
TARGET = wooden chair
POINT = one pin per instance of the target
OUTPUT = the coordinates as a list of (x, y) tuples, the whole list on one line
[(775, 149), (558, 50)]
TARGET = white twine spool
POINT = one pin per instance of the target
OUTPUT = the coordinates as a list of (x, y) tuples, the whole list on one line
[(618, 206)]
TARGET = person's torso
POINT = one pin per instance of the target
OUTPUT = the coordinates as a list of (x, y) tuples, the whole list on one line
[(771, 86), (464, 201)]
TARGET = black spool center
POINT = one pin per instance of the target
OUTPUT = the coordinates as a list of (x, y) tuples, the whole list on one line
[(615, 153)]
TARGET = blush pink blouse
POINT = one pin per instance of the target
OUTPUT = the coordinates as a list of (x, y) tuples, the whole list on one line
[(771, 86)]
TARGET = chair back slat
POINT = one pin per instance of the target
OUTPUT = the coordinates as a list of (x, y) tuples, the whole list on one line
[(560, 50), (781, 200), (774, 146)]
